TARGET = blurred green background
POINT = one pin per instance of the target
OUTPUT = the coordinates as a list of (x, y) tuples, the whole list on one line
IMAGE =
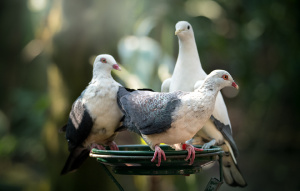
[(47, 51)]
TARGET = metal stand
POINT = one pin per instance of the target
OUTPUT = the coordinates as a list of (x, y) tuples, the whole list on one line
[(135, 160), (214, 184), (112, 177)]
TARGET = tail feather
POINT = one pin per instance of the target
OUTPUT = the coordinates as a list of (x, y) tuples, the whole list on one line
[(75, 160), (232, 173)]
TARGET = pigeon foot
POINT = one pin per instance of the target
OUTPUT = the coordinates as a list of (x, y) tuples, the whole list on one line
[(191, 152), (209, 144), (158, 152), (96, 146), (113, 146)]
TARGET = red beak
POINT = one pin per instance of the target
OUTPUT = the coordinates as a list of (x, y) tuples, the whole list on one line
[(117, 67), (235, 85)]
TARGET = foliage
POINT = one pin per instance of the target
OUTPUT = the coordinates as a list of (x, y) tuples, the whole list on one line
[(47, 48)]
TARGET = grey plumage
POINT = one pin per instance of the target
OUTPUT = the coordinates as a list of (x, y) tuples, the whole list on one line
[(150, 112), (171, 118)]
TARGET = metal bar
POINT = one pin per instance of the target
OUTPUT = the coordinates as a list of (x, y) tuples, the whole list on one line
[(112, 177), (150, 157), (220, 166)]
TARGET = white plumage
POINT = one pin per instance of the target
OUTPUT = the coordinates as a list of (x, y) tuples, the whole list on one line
[(172, 118), (100, 100), (187, 76), (95, 115)]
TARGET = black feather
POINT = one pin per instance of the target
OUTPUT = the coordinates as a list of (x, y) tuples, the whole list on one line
[(75, 160), (226, 132), (79, 124), (77, 130)]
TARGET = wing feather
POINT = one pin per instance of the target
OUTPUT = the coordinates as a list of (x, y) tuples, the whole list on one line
[(226, 132), (149, 112), (79, 124)]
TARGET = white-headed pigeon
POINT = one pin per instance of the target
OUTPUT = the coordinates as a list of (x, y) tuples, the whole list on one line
[(189, 75), (95, 115), (172, 118)]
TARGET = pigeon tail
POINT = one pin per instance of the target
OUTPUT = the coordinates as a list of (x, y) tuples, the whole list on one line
[(75, 160), (232, 173)]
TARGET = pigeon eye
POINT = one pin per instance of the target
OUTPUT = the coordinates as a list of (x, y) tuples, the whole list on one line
[(188, 27), (103, 60), (225, 77)]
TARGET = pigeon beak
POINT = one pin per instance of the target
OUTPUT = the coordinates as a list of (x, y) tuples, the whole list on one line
[(178, 31), (235, 85), (117, 67)]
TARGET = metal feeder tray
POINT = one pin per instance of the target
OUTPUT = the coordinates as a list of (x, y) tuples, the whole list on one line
[(135, 160)]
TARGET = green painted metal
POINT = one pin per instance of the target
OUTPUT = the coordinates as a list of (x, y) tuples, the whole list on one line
[(136, 160), (220, 167), (213, 185), (112, 178)]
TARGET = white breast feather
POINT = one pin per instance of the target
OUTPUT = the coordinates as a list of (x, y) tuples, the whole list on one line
[(189, 119), (101, 102)]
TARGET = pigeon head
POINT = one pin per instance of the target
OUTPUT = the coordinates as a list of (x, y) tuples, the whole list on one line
[(105, 63), (183, 28), (221, 79)]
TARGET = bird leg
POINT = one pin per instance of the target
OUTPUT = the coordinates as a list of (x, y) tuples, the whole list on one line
[(191, 152), (158, 152), (96, 146), (113, 146), (209, 144)]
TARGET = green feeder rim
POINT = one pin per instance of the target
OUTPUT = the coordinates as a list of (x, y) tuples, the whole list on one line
[(136, 160)]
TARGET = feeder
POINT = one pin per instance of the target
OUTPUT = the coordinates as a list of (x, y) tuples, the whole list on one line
[(135, 160)]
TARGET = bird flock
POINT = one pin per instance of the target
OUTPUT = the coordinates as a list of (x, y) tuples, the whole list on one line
[(189, 110)]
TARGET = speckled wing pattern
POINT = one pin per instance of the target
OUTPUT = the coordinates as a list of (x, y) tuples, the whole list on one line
[(149, 112), (77, 130), (79, 124), (226, 132)]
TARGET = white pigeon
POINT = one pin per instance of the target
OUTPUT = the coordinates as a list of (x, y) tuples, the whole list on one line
[(172, 118), (187, 76), (95, 115)]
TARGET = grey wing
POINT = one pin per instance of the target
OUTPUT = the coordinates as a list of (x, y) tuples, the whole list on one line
[(149, 112), (226, 132), (79, 124)]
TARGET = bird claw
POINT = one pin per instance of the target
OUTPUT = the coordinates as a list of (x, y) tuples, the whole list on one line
[(96, 146), (158, 152), (209, 144), (191, 152), (113, 146)]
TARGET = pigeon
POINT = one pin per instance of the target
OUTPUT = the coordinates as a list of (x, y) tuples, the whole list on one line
[(94, 116), (172, 118), (189, 75)]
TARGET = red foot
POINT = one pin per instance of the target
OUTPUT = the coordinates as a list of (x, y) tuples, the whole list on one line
[(191, 151), (159, 152), (96, 146), (113, 146)]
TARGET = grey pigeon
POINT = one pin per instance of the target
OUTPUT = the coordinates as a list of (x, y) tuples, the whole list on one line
[(172, 118)]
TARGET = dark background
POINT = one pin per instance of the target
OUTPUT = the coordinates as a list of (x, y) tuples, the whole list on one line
[(47, 49)]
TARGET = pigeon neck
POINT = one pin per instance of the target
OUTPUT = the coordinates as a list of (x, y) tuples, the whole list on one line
[(100, 75), (209, 87), (188, 49)]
